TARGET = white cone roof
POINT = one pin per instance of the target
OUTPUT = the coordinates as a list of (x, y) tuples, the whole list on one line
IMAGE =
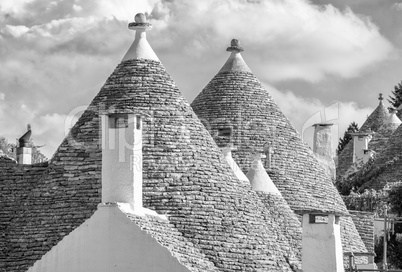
[(259, 179)]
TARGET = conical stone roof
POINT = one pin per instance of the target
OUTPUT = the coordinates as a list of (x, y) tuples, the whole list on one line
[(234, 100), (374, 122), (380, 138), (385, 169), (185, 177)]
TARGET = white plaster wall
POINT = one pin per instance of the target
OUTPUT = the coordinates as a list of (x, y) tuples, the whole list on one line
[(227, 153), (122, 162), (24, 155), (140, 49), (259, 179), (321, 246), (359, 145), (108, 242)]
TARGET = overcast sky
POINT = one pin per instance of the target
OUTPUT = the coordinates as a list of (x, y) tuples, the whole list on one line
[(310, 55)]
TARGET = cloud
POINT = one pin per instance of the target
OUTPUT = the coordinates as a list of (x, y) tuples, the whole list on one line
[(48, 129), (397, 6), (304, 112), (288, 39), (55, 55), (2, 96)]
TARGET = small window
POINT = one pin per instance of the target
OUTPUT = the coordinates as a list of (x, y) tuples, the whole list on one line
[(138, 122), (318, 219), (118, 121), (225, 132)]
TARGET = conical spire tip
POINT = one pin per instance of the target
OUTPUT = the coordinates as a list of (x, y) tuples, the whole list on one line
[(140, 22), (235, 46)]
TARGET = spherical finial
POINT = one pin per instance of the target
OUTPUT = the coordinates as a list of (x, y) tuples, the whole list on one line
[(140, 18), (140, 22), (380, 97), (235, 46), (235, 42)]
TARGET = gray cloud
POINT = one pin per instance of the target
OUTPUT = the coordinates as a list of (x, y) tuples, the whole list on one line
[(56, 55)]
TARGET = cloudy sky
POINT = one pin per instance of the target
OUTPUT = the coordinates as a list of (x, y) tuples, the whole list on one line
[(321, 60)]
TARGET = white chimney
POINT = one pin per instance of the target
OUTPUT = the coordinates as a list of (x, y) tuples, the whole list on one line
[(24, 149), (361, 153), (227, 153), (321, 243), (122, 159), (259, 179), (322, 145)]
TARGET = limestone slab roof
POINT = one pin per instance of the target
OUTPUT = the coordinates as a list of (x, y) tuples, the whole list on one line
[(374, 122), (185, 177), (386, 167), (169, 237), (380, 138), (237, 100)]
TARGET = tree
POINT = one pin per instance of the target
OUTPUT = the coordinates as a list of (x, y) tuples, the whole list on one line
[(353, 127), (396, 98), (394, 198), (395, 238), (6, 147)]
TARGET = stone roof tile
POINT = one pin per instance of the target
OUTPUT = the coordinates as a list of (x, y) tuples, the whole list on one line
[(374, 122), (185, 177), (236, 101)]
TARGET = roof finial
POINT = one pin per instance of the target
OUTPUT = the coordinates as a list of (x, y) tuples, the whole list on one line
[(380, 97), (140, 22), (140, 49), (235, 46)]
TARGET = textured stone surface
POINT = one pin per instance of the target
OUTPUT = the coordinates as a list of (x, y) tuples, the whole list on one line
[(185, 177), (379, 141), (386, 168), (364, 222), (374, 122), (237, 100), (287, 223), (168, 236)]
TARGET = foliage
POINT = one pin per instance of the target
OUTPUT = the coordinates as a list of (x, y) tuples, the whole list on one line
[(369, 200), (396, 98), (394, 249), (394, 252), (395, 199), (353, 127), (6, 147), (369, 171)]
